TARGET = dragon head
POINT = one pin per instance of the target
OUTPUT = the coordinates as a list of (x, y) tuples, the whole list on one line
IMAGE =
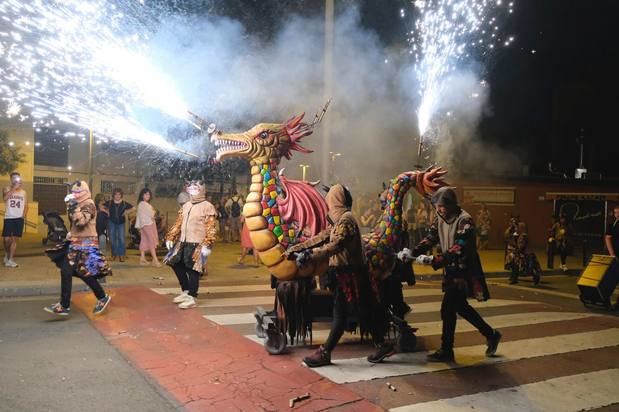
[(264, 141)]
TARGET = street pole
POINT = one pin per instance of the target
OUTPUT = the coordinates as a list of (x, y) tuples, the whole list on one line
[(328, 86), (91, 149), (304, 167)]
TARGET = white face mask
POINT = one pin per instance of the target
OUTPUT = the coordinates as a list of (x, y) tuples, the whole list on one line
[(193, 190)]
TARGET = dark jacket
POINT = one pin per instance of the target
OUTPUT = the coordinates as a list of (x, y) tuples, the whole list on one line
[(459, 258)]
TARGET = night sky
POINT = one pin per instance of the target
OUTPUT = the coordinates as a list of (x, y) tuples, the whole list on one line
[(539, 101)]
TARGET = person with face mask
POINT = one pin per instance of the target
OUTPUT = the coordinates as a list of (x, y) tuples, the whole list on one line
[(80, 256), (454, 230), (354, 296), (190, 241)]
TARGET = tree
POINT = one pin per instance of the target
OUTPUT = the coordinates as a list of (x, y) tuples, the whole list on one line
[(10, 155)]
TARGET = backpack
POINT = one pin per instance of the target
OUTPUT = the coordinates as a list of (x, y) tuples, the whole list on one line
[(235, 209)]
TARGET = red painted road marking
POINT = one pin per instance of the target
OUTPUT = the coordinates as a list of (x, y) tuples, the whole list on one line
[(205, 366)]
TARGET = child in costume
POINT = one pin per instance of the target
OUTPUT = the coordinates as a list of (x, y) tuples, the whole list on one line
[(190, 241), (79, 255)]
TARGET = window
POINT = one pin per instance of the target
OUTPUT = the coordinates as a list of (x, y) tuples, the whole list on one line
[(51, 148)]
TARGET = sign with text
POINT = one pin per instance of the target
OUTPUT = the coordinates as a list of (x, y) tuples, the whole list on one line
[(490, 195)]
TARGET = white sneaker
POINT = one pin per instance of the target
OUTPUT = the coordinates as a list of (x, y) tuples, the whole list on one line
[(10, 263), (564, 268), (182, 297), (188, 304)]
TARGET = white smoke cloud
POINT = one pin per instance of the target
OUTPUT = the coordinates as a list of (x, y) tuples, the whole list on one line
[(236, 80)]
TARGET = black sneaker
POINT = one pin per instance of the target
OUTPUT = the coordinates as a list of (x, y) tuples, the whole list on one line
[(383, 350), (493, 343), (319, 358), (441, 355), (57, 309), (101, 305)]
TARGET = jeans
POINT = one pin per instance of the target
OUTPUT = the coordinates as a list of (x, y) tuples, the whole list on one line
[(102, 243), (117, 238), (455, 303), (66, 284)]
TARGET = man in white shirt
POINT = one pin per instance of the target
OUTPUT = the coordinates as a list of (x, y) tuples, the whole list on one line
[(16, 210)]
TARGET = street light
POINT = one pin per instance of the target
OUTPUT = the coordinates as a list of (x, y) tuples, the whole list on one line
[(304, 167), (334, 156)]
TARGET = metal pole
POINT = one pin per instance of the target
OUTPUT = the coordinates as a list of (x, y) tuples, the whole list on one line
[(328, 86), (90, 160)]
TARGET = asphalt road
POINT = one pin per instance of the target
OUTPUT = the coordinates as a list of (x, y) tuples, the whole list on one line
[(52, 364)]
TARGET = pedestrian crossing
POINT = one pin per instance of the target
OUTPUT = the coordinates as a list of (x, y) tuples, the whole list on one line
[(571, 341), (574, 393)]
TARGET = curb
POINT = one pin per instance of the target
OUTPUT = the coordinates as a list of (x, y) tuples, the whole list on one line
[(47, 290)]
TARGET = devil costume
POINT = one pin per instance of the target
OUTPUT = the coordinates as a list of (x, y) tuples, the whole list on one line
[(463, 276), (190, 241), (519, 260), (79, 255), (355, 294)]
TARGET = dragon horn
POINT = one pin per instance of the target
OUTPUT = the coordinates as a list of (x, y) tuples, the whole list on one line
[(294, 121)]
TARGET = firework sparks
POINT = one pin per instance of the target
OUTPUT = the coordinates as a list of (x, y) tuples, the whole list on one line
[(446, 35), (84, 62)]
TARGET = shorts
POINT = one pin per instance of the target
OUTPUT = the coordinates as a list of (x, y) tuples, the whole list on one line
[(13, 227)]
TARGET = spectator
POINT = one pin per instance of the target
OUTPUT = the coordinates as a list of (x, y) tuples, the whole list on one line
[(551, 247), (421, 223), (183, 197), (116, 226), (484, 221), (612, 234), (145, 223), (234, 207), (370, 216), (246, 245), (103, 217), (561, 233), (16, 207), (519, 260), (410, 220), (222, 218)]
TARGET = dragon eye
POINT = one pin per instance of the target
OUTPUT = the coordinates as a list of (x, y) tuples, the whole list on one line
[(263, 135)]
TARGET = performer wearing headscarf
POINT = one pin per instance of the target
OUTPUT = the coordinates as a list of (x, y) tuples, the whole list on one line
[(353, 294), (190, 241), (79, 255), (463, 276)]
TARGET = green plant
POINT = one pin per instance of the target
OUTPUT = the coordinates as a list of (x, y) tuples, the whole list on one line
[(10, 155)]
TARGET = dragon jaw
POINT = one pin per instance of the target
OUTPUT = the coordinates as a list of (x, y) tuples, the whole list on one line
[(264, 141)]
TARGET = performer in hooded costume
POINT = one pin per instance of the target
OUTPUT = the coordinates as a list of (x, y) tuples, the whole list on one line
[(79, 255), (354, 295), (463, 277), (190, 241)]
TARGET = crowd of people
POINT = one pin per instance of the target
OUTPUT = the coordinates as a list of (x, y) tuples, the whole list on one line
[(441, 233)]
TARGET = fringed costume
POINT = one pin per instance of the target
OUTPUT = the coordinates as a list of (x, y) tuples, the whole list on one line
[(79, 255), (190, 241)]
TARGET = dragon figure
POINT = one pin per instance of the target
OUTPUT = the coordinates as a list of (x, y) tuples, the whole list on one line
[(280, 212)]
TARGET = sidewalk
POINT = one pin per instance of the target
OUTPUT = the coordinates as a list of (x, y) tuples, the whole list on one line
[(37, 275)]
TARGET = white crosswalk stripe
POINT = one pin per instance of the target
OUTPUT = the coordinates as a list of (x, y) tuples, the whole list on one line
[(434, 328), (356, 369), (241, 318), (567, 394)]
